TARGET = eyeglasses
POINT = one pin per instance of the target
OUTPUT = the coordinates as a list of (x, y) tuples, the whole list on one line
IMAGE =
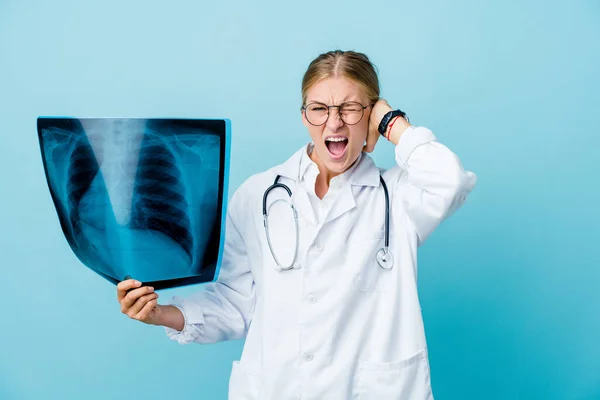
[(350, 112)]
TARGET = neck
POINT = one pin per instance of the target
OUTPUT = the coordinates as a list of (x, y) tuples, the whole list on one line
[(324, 177), (324, 174)]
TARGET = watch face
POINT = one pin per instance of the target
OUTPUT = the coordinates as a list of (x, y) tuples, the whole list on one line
[(140, 197)]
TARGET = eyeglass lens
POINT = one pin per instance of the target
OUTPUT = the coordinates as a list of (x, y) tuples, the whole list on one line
[(351, 113)]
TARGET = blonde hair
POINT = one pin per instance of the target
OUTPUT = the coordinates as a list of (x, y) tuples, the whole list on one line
[(350, 64)]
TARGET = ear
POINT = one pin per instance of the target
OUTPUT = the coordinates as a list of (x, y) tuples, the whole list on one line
[(304, 121)]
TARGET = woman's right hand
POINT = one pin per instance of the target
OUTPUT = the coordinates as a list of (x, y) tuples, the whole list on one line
[(138, 302)]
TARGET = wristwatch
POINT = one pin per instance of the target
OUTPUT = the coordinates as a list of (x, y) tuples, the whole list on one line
[(387, 118)]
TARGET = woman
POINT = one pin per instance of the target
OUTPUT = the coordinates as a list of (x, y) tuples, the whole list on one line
[(342, 321)]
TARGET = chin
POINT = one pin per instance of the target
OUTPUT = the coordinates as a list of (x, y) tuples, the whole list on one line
[(337, 167)]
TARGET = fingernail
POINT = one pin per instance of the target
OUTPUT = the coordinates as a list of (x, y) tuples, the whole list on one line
[(151, 288)]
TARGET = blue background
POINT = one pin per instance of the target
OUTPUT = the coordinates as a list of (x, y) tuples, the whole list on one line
[(509, 285)]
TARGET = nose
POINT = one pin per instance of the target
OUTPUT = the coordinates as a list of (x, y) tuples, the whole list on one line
[(334, 122)]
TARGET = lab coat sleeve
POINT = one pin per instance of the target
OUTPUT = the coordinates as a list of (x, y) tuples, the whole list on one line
[(434, 184), (223, 310)]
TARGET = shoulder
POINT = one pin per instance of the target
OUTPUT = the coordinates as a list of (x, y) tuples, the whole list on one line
[(390, 174), (393, 174), (254, 185)]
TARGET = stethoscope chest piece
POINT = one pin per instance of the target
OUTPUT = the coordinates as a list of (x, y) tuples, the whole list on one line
[(385, 258)]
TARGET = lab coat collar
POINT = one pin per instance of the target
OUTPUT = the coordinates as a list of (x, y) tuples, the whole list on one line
[(365, 173)]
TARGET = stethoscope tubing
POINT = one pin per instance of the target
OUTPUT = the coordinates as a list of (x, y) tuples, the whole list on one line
[(383, 256)]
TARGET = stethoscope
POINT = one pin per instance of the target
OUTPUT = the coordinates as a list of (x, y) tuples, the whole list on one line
[(384, 256)]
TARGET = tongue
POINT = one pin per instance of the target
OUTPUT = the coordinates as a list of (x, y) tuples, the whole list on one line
[(337, 148)]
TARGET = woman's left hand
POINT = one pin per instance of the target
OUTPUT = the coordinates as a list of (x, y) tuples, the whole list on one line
[(377, 112)]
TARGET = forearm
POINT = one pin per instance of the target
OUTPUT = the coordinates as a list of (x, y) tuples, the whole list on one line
[(432, 167), (222, 310), (434, 184), (396, 126), (399, 126), (171, 317)]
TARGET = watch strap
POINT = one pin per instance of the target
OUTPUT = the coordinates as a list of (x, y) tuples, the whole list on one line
[(383, 125)]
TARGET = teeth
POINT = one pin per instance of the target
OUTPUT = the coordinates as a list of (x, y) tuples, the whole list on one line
[(338, 139)]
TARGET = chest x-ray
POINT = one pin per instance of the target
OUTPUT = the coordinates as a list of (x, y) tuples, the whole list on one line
[(144, 198)]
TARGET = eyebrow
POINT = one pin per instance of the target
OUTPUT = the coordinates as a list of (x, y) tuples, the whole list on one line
[(346, 100)]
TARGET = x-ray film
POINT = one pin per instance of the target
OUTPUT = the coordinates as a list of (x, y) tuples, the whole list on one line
[(136, 197)]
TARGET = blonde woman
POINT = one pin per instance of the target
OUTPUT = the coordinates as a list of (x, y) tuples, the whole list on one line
[(324, 289)]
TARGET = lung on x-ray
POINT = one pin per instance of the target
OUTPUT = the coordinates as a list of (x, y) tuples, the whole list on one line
[(144, 198)]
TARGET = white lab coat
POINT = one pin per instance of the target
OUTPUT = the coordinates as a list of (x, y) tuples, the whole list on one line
[(337, 326)]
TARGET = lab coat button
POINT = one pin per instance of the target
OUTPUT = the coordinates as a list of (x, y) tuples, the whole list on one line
[(308, 356), (318, 247), (312, 299)]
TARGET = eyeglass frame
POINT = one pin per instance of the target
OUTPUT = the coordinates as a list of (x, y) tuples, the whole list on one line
[(339, 107)]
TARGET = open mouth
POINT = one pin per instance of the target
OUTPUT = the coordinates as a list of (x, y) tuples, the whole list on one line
[(337, 146)]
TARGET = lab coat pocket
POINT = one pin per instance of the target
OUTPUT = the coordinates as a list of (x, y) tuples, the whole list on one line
[(243, 385), (397, 380)]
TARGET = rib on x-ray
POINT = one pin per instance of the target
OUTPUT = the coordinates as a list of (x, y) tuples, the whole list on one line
[(140, 197)]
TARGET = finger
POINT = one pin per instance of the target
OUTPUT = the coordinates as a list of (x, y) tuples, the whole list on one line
[(140, 303), (133, 296), (124, 286), (146, 310)]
